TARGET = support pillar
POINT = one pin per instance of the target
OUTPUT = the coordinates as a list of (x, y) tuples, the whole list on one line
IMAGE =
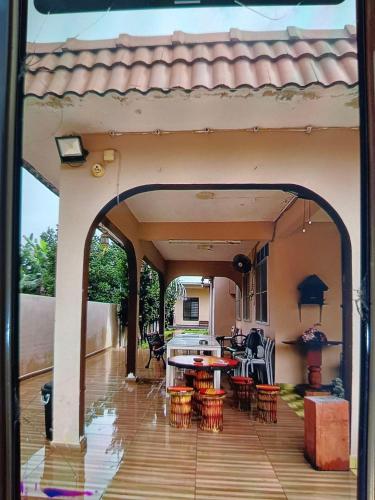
[(69, 337), (161, 304), (133, 311), (134, 273), (211, 320)]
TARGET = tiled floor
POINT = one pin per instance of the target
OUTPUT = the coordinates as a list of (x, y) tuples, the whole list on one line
[(132, 453)]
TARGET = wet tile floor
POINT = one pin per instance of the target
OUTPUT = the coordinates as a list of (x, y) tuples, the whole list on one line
[(132, 452)]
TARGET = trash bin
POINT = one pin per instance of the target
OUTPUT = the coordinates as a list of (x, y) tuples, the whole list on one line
[(47, 396)]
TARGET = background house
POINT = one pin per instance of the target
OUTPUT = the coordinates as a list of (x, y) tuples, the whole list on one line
[(193, 310)]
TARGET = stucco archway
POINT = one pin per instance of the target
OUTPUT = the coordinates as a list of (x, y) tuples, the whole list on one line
[(301, 192)]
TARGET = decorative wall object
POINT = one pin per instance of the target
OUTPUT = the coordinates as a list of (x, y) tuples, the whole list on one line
[(312, 291)]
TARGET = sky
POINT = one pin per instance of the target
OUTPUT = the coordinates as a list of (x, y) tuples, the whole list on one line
[(58, 27), (39, 205)]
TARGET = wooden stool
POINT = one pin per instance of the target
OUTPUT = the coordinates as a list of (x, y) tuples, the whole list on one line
[(180, 410), (212, 410), (267, 403), (242, 392), (203, 380)]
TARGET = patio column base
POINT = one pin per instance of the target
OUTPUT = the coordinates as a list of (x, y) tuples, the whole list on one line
[(81, 446)]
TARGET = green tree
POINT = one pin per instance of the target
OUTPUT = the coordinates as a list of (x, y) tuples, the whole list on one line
[(174, 291), (108, 276), (32, 263), (108, 268), (48, 242), (149, 297), (108, 273)]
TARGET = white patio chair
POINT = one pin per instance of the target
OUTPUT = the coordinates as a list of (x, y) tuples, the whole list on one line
[(264, 362), (245, 357)]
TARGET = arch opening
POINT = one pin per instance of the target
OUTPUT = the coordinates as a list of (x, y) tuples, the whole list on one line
[(303, 195)]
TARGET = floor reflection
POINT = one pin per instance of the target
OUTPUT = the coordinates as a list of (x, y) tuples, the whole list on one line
[(132, 452), (92, 471)]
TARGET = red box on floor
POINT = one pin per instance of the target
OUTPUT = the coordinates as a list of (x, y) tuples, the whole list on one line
[(327, 432)]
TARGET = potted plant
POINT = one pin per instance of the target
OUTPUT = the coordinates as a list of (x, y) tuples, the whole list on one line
[(313, 336)]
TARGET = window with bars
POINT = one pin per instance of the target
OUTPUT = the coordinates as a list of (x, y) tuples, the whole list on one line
[(261, 285), (238, 304), (191, 309), (246, 297)]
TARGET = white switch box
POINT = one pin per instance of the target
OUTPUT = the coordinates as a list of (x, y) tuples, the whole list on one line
[(109, 155)]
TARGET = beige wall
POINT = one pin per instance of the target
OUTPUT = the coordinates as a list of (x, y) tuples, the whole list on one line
[(224, 306), (37, 315), (315, 252), (154, 231), (203, 293), (124, 220), (102, 329), (291, 259)]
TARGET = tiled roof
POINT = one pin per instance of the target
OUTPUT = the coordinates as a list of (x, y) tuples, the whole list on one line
[(185, 61)]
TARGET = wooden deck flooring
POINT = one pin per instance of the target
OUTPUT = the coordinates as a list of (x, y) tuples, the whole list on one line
[(132, 453)]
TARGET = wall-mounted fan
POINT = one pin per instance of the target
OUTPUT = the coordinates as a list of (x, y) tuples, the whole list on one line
[(241, 263)]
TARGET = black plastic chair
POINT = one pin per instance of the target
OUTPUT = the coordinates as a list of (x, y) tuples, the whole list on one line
[(157, 347), (238, 343), (221, 339)]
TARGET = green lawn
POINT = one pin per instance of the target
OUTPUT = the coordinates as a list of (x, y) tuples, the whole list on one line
[(168, 334)]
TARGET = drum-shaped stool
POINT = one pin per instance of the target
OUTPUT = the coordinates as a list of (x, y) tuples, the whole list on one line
[(203, 380), (242, 392), (212, 410), (267, 403), (180, 409)]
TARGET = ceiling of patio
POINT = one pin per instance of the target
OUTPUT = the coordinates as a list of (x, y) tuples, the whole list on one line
[(203, 250), (208, 206), (210, 225)]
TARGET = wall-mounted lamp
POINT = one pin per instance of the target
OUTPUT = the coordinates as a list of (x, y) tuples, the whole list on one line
[(71, 149)]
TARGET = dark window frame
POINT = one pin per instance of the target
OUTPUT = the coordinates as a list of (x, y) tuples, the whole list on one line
[(246, 304), (261, 286), (188, 315), (238, 302)]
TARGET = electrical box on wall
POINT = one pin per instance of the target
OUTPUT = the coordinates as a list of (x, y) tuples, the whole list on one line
[(109, 155)]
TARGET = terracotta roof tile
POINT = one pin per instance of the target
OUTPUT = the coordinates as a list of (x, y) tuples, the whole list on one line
[(185, 61)]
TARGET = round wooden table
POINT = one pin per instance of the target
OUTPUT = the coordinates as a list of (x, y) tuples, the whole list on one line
[(208, 364)]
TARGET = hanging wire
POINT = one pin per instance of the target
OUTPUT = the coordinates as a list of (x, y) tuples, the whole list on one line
[(63, 44), (39, 31), (251, 9)]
